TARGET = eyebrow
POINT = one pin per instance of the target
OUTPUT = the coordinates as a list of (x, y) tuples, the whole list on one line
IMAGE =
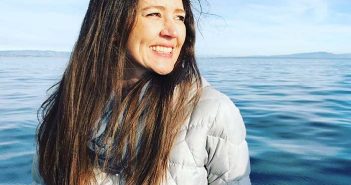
[(178, 10)]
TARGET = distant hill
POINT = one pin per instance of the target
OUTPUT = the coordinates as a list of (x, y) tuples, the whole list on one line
[(33, 53), (310, 55), (324, 55)]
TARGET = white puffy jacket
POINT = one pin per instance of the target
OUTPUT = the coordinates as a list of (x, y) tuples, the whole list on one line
[(210, 148)]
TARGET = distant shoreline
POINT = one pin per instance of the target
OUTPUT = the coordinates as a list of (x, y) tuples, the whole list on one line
[(276, 57), (310, 55), (34, 53)]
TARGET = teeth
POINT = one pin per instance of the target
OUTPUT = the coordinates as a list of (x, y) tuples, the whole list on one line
[(162, 49)]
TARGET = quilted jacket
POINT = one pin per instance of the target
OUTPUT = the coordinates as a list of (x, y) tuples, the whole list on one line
[(210, 148)]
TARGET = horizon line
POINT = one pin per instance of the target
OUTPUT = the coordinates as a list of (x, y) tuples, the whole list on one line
[(199, 55)]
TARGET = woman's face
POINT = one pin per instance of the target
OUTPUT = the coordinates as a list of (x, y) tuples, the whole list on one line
[(157, 36)]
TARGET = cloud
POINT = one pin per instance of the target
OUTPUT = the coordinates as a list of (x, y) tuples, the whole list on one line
[(281, 27), (39, 24), (239, 27)]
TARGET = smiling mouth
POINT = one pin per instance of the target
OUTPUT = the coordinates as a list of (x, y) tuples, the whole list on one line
[(162, 49)]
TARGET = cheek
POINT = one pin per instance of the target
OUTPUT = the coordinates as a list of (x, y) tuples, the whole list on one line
[(132, 39), (135, 37), (131, 46), (182, 35), (145, 34)]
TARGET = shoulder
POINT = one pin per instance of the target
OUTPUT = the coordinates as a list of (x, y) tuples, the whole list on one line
[(227, 150), (211, 102), (211, 95), (211, 99), (220, 114)]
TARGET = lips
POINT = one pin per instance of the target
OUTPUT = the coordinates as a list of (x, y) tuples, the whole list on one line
[(163, 48)]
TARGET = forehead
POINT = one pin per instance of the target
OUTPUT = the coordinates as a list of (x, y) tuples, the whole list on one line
[(167, 4)]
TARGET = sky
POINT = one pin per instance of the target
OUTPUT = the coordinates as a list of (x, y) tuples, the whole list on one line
[(226, 28)]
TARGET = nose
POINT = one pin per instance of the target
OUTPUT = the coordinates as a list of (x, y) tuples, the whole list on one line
[(169, 29)]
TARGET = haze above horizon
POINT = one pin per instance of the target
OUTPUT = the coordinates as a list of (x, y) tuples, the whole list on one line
[(239, 27)]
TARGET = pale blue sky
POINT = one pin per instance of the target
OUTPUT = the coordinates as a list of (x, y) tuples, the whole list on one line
[(242, 27)]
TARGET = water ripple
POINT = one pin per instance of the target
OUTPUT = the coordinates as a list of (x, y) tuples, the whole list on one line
[(297, 114)]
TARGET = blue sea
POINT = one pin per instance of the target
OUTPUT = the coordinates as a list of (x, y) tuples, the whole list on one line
[(297, 114)]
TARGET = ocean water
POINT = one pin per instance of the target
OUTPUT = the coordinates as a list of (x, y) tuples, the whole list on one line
[(297, 114)]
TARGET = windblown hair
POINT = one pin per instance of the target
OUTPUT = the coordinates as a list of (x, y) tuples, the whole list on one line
[(72, 114)]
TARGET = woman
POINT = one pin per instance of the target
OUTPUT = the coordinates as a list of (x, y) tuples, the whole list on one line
[(132, 108)]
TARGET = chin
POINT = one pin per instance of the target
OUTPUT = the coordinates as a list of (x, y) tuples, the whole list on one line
[(164, 71)]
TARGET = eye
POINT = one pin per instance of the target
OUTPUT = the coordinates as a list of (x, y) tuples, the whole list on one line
[(154, 14), (181, 18)]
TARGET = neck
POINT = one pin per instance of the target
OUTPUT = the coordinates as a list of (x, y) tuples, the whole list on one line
[(133, 72)]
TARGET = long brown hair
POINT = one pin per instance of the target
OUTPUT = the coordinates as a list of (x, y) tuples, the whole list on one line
[(72, 115)]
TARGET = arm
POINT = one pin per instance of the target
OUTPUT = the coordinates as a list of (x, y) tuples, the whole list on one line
[(228, 155)]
